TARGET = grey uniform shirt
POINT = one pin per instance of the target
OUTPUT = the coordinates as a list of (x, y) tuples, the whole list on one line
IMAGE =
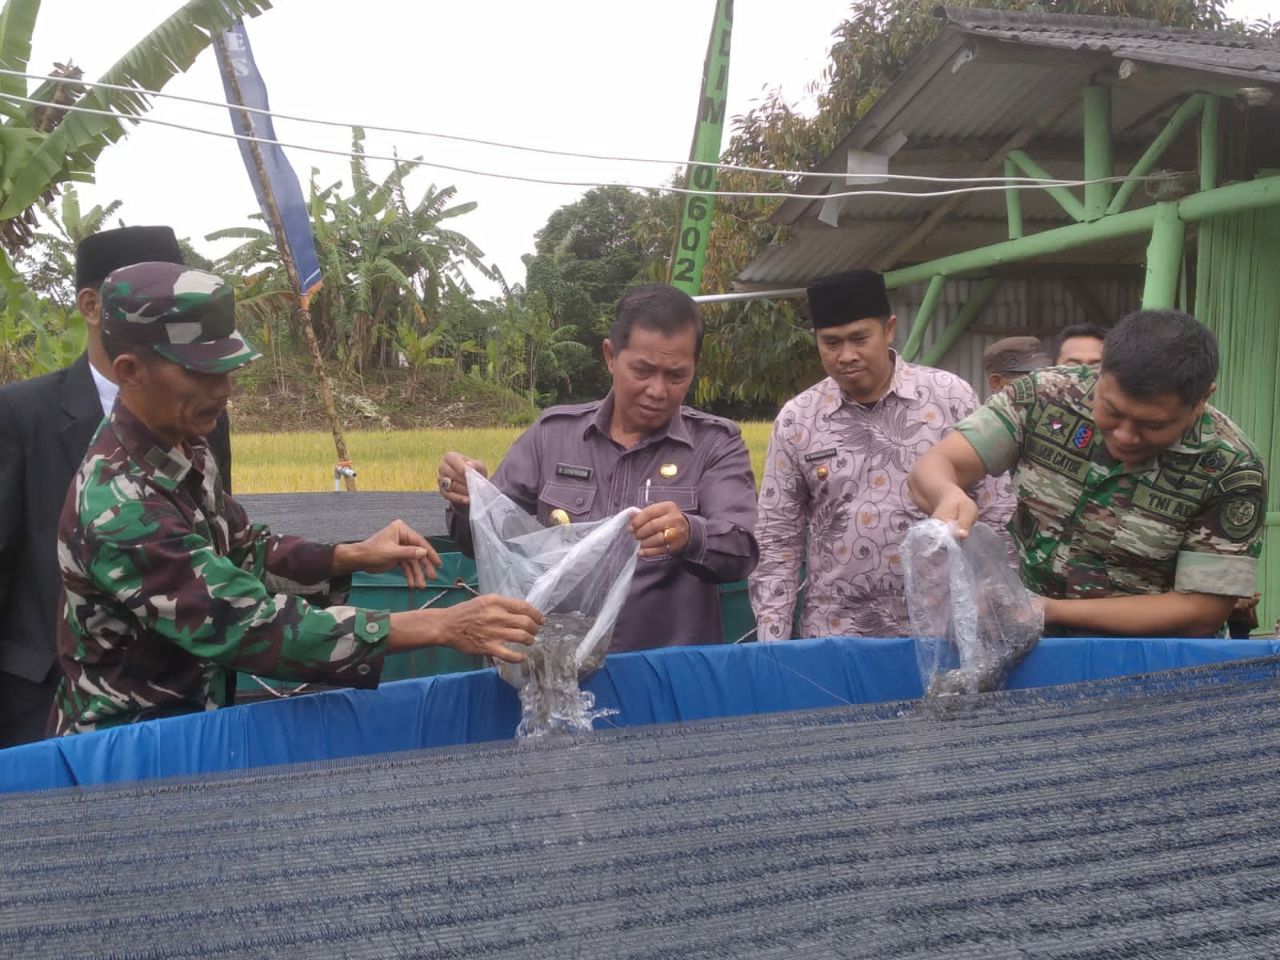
[(567, 461)]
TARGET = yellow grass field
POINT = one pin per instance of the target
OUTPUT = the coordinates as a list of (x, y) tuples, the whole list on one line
[(384, 460)]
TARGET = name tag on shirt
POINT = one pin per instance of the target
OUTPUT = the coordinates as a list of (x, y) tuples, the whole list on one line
[(569, 470), (820, 455)]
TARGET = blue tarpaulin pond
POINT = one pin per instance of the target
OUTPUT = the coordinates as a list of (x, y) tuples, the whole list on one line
[(648, 687)]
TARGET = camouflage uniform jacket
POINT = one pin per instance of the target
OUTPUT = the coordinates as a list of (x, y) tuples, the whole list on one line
[(1190, 520), (169, 587)]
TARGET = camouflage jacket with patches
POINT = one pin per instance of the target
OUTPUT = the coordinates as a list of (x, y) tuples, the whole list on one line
[(1191, 520), (169, 588)]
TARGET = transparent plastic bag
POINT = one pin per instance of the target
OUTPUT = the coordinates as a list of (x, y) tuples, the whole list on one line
[(973, 619), (578, 575)]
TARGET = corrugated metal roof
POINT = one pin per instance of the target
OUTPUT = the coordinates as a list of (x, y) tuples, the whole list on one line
[(986, 77), (816, 250), (1257, 58)]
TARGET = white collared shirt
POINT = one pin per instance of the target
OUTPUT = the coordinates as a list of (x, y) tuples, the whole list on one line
[(106, 390)]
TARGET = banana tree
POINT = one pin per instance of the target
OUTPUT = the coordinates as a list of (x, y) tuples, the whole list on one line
[(42, 144)]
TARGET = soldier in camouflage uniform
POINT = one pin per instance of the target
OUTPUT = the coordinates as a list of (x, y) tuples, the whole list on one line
[(1140, 507), (168, 585)]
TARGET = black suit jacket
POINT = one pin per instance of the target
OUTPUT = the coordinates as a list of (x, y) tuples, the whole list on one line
[(45, 428)]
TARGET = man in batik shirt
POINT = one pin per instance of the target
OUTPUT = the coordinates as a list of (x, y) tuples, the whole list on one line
[(834, 489), (168, 586)]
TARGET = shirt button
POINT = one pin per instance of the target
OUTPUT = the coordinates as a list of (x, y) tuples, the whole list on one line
[(370, 627), (363, 669)]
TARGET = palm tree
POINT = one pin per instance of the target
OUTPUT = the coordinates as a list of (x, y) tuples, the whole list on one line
[(43, 146), (52, 256)]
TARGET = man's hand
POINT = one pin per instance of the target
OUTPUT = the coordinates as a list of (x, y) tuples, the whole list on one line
[(479, 627), (1246, 604), (958, 508), (452, 477), (939, 478), (396, 544), (661, 529)]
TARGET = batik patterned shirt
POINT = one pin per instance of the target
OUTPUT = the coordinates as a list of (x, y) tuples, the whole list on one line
[(169, 588), (834, 496)]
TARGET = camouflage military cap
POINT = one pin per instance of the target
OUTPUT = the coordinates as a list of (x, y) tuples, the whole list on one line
[(185, 315)]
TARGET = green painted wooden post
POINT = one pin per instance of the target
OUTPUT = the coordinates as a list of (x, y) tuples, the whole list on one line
[(1238, 297), (1209, 143), (978, 297), (1013, 202), (1151, 156), (1164, 258), (1026, 248), (1098, 159), (923, 316), (1066, 199), (1238, 197)]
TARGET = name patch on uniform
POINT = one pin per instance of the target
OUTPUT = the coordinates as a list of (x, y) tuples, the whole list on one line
[(1057, 459), (1240, 479), (1166, 506), (569, 470), (1024, 390), (820, 455)]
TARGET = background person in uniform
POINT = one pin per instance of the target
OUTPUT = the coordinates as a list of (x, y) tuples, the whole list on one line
[(45, 428), (1140, 507), (169, 587), (1006, 360), (1080, 345), (834, 488), (589, 461)]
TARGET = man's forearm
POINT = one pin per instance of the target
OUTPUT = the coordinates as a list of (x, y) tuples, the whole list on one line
[(1158, 615), (931, 479), (347, 559)]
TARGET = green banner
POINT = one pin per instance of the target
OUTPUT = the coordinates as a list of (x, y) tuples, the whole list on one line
[(695, 220)]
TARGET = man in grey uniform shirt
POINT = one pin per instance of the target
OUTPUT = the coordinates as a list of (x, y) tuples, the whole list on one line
[(688, 471)]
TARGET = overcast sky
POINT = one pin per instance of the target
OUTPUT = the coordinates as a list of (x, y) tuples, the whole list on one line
[(594, 76), (597, 76)]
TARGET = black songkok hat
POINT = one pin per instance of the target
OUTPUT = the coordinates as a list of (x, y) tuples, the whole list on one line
[(846, 297), (107, 251)]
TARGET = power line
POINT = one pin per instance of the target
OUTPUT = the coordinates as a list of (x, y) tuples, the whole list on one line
[(547, 151), (548, 181)]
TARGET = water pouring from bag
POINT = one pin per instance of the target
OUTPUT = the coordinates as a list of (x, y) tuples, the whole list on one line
[(578, 575)]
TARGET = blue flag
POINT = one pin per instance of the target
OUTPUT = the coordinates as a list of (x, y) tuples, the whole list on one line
[(239, 63)]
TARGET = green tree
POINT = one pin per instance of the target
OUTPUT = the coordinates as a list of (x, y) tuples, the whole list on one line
[(525, 350), (586, 255), (45, 146), (36, 335), (759, 353), (50, 262)]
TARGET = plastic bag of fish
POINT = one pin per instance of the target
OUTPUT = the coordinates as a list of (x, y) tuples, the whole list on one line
[(578, 575), (972, 617)]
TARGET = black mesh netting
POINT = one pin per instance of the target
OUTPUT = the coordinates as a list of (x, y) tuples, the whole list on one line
[(1120, 819)]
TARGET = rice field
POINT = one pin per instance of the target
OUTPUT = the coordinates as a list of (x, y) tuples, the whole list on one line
[(402, 460)]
